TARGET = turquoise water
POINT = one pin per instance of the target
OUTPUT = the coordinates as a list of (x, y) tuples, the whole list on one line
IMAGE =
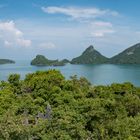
[(102, 74)]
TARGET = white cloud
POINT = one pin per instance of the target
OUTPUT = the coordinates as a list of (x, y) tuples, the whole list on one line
[(11, 36), (48, 45), (100, 29), (79, 13), (23, 42)]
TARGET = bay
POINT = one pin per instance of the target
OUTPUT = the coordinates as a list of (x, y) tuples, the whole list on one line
[(101, 74)]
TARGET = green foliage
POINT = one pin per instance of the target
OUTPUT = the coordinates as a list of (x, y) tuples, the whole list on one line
[(45, 106), (90, 56), (41, 60), (129, 56), (14, 79)]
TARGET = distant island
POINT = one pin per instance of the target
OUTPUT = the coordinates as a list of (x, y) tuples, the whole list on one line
[(6, 61), (92, 56), (41, 60)]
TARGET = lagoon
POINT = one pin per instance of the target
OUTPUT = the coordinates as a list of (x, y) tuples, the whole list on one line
[(101, 74)]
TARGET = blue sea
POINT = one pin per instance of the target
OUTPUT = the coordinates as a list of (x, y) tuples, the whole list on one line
[(101, 74)]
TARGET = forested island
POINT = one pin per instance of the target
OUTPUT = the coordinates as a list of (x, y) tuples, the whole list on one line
[(41, 60), (92, 56), (46, 106), (6, 61)]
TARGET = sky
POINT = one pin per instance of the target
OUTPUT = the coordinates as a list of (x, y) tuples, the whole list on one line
[(64, 28)]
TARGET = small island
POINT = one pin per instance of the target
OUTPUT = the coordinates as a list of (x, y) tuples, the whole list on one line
[(6, 61), (41, 60)]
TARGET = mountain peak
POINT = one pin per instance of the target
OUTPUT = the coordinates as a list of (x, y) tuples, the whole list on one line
[(89, 49), (89, 56)]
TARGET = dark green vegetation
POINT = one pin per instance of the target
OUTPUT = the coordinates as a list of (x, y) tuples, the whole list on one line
[(6, 61), (45, 106), (128, 56), (41, 60), (90, 56)]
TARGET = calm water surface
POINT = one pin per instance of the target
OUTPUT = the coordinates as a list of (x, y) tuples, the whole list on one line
[(102, 74)]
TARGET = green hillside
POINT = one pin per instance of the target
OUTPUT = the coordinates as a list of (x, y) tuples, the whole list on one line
[(90, 56), (128, 56)]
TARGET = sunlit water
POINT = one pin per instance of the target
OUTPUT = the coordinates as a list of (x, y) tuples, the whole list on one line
[(102, 74)]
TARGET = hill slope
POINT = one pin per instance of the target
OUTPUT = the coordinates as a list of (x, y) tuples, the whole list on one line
[(128, 56), (90, 56)]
